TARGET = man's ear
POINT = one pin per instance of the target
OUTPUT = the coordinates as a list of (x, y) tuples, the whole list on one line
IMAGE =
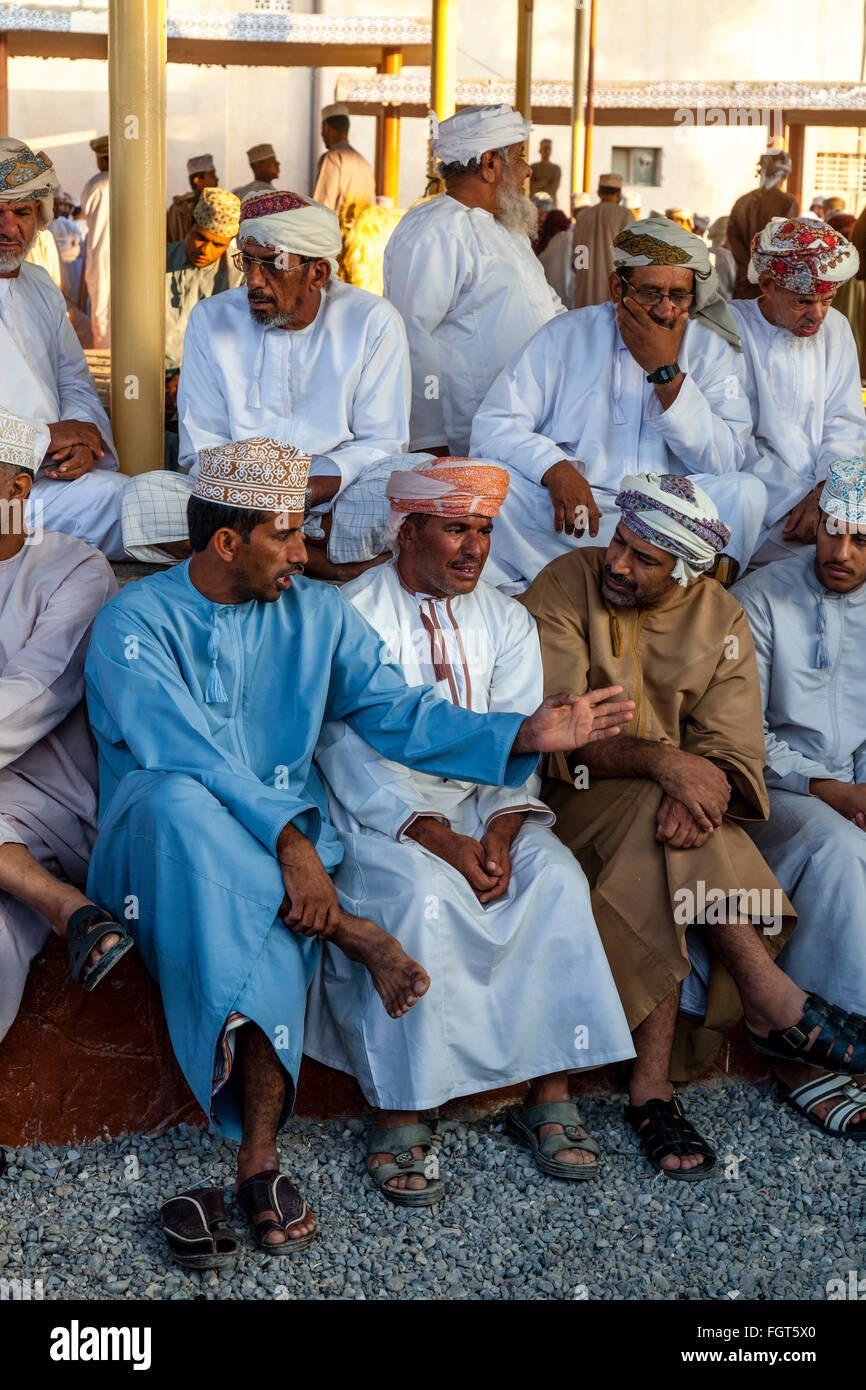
[(320, 276), (226, 544), (488, 165), (19, 487), (614, 284)]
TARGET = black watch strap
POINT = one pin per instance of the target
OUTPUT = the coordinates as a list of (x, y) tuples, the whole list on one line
[(662, 375)]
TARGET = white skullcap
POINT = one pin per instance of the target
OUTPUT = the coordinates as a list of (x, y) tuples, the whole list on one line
[(257, 152), (337, 108), (474, 130), (22, 442)]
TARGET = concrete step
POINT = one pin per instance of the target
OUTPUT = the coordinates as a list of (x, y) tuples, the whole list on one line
[(77, 1066)]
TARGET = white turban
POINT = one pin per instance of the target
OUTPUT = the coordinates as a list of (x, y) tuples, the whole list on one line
[(289, 222), (153, 513), (676, 515), (26, 174), (474, 130)]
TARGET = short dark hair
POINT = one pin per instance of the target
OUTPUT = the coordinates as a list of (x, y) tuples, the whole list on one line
[(206, 518), (338, 123)]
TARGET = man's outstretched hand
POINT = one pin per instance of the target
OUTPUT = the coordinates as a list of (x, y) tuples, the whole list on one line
[(563, 721)]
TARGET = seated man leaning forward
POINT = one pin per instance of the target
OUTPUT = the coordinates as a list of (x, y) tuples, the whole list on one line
[(468, 877), (208, 685), (659, 822), (51, 587), (808, 619), (803, 375), (654, 378), (300, 355), (43, 373)]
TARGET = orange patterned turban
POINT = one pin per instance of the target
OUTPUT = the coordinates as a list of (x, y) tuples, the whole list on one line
[(449, 487)]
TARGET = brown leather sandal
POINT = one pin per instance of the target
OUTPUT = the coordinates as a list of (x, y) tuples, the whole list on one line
[(197, 1229), (272, 1191)]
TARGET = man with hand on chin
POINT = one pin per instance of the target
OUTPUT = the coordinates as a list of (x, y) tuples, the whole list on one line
[(653, 380)]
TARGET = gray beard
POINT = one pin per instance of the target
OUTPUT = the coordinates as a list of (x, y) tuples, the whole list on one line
[(517, 213), (11, 260), (278, 320)]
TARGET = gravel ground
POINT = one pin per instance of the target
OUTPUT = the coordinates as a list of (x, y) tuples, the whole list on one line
[(784, 1215)]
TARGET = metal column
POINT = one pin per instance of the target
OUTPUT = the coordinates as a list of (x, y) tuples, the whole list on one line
[(136, 100)]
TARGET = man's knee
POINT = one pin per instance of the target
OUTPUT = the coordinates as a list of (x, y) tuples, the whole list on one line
[(753, 495), (171, 796)]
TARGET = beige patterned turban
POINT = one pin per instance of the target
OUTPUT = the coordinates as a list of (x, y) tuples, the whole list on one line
[(25, 174), (658, 241), (218, 211), (260, 475)]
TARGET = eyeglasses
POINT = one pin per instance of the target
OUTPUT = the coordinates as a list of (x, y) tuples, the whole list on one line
[(680, 299), (241, 261)]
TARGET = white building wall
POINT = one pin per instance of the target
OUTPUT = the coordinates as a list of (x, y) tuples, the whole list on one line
[(59, 105)]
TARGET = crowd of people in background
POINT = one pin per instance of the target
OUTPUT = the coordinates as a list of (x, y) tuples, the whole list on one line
[(491, 707)]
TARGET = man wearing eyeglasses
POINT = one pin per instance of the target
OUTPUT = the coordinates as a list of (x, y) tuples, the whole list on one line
[(296, 354), (652, 381)]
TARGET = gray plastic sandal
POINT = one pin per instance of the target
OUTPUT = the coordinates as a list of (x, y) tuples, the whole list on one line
[(522, 1124), (400, 1142)]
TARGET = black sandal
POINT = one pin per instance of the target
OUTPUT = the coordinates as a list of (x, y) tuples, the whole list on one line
[(197, 1229), (667, 1132), (272, 1191), (84, 930), (839, 1031)]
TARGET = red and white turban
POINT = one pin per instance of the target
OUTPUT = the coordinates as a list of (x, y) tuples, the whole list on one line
[(802, 255), (444, 487)]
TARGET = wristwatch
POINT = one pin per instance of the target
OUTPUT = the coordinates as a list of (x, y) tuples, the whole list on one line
[(662, 375)]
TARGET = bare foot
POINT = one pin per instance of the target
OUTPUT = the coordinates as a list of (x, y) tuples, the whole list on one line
[(253, 1160), (399, 981)]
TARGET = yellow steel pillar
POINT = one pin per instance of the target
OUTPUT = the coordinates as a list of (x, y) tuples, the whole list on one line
[(443, 72), (523, 92), (136, 100), (578, 96), (590, 104), (4, 84), (443, 67), (391, 180)]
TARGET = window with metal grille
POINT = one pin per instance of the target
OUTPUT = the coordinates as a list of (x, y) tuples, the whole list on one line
[(279, 6), (840, 173), (637, 164)]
